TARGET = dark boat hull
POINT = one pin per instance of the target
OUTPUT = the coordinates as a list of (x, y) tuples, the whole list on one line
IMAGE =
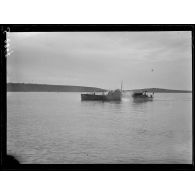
[(140, 97), (92, 97)]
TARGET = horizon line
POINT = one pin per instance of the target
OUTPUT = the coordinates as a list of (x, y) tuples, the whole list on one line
[(100, 87)]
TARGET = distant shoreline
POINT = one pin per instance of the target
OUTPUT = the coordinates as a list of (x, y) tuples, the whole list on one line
[(159, 90), (29, 87)]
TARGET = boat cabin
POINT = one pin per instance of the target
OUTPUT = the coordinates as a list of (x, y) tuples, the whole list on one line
[(143, 94)]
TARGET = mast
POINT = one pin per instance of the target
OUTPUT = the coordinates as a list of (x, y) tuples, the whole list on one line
[(121, 86)]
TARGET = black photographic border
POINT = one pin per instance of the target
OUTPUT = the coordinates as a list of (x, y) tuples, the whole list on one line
[(82, 28)]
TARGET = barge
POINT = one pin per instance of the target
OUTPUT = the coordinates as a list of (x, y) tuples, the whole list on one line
[(115, 95)]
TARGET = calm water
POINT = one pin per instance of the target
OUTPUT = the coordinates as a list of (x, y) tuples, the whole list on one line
[(59, 128)]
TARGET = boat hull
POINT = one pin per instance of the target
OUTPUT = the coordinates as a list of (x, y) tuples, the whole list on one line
[(92, 97)]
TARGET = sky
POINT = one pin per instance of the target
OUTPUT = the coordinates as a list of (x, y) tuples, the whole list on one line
[(102, 59)]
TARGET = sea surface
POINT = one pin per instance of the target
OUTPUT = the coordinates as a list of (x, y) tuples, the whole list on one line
[(59, 128)]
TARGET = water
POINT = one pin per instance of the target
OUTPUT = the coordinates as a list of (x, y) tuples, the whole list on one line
[(59, 128)]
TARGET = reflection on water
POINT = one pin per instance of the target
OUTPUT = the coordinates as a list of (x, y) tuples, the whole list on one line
[(140, 101), (60, 128)]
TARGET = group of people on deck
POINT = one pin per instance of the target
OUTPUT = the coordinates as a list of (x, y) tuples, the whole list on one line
[(145, 93)]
